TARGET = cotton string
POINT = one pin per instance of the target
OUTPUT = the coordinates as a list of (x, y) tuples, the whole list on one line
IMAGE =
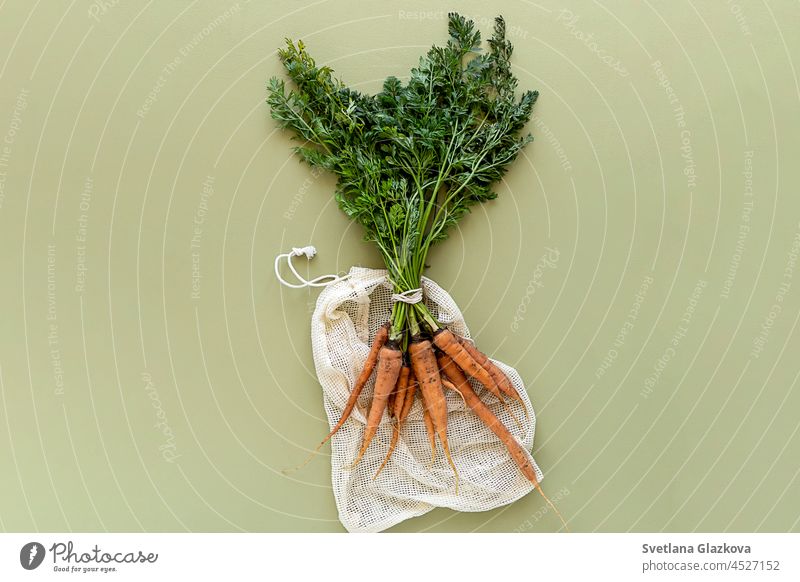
[(411, 296), (309, 252)]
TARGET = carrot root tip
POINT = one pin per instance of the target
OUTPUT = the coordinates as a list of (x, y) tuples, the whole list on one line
[(553, 507)]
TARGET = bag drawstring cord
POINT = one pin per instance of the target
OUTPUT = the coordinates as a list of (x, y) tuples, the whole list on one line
[(411, 296), (309, 252)]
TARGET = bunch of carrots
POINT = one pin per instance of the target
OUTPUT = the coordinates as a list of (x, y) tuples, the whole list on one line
[(430, 365), (411, 161)]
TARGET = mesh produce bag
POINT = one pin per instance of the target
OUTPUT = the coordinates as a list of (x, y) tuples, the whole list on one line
[(347, 316)]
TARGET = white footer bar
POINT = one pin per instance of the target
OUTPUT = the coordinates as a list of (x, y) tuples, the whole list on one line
[(384, 557)]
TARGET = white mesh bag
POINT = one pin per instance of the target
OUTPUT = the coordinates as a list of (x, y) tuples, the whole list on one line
[(347, 315)]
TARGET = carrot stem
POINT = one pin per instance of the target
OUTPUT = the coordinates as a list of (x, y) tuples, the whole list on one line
[(426, 317), (414, 326)]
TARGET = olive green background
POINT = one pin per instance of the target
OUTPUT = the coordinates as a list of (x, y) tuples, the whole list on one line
[(638, 268)]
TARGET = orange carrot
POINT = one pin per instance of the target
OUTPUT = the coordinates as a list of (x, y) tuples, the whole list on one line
[(390, 361), (392, 445), (446, 341), (381, 336), (461, 385), (496, 373), (400, 392), (396, 411), (369, 365), (517, 451), (426, 370), (408, 400), (390, 402)]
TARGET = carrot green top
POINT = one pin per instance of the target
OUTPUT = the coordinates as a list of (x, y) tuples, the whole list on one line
[(411, 159)]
